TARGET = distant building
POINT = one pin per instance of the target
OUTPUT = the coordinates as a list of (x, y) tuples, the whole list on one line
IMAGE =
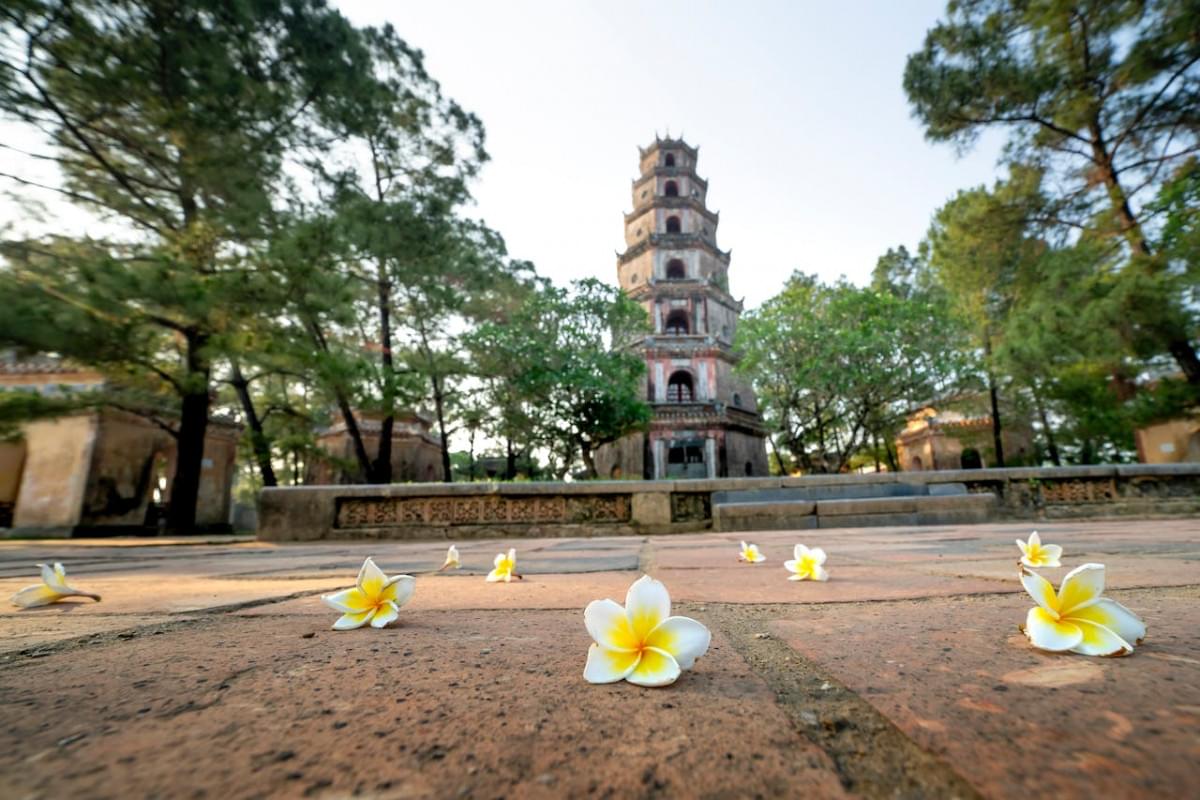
[(1169, 442), (416, 450), (104, 471), (706, 422), (949, 439)]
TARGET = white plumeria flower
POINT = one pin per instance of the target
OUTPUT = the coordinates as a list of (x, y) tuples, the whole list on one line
[(1036, 554), (505, 567), (751, 554), (52, 589), (452, 560), (376, 598), (1078, 618), (807, 564), (641, 643)]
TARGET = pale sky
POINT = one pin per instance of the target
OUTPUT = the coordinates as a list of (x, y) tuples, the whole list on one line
[(804, 132)]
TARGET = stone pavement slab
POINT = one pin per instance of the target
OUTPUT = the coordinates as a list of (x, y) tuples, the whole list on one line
[(959, 678), (465, 704), (209, 669)]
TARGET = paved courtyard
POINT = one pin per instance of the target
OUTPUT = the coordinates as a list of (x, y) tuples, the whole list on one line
[(209, 670)]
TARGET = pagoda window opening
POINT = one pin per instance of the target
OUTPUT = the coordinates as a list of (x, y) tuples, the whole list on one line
[(679, 388), (669, 160), (677, 323), (671, 189), (676, 271), (673, 225)]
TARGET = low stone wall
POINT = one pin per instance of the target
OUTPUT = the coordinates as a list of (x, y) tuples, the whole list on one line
[(607, 508)]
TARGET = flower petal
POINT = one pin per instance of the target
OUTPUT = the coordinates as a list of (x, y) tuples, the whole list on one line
[(371, 579), (1099, 641), (50, 576), (399, 589), (797, 577), (609, 626), (1047, 633), (1082, 587), (608, 666), (496, 575), (656, 668), (1051, 553), (1114, 616), (37, 595), (646, 604), (1024, 549), (817, 555), (387, 614), (1035, 541), (799, 552), (683, 638), (348, 601), (819, 573), (348, 622), (790, 565), (1040, 590)]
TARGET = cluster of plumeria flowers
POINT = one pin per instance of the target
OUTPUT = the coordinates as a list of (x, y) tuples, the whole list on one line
[(642, 643), (806, 564), (1077, 618)]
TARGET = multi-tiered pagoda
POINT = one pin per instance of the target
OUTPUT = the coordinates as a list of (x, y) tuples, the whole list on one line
[(706, 422)]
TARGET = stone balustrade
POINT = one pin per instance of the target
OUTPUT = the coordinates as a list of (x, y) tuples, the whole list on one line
[(605, 508)]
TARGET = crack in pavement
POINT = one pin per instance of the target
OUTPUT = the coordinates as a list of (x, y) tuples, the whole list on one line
[(874, 758)]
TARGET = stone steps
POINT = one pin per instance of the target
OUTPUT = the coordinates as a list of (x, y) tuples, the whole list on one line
[(859, 512)]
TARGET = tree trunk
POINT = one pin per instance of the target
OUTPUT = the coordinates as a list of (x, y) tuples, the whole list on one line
[(510, 462), (343, 404), (994, 395), (589, 460), (1177, 342), (1051, 447), (381, 468), (439, 406), (189, 453), (258, 439)]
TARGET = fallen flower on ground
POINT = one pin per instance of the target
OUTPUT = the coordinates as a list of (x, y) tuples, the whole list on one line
[(375, 598), (641, 643), (751, 554), (505, 567), (1078, 618), (452, 560), (1036, 554), (52, 589), (807, 564)]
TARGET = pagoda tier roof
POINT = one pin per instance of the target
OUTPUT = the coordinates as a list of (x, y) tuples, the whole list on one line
[(669, 172), (660, 143), (704, 415), (683, 288), (662, 201), (673, 241)]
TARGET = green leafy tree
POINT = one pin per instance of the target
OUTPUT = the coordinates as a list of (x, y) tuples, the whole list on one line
[(560, 370), (1101, 97), (171, 121), (837, 366)]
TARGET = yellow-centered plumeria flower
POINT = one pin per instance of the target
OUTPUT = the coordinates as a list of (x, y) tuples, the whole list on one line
[(751, 554), (52, 589), (505, 569), (807, 565), (376, 598), (1036, 554), (452, 560), (641, 643), (1078, 618)]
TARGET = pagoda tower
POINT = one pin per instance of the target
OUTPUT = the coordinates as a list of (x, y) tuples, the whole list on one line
[(706, 422)]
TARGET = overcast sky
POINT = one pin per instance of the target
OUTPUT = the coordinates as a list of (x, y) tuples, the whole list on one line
[(804, 132)]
